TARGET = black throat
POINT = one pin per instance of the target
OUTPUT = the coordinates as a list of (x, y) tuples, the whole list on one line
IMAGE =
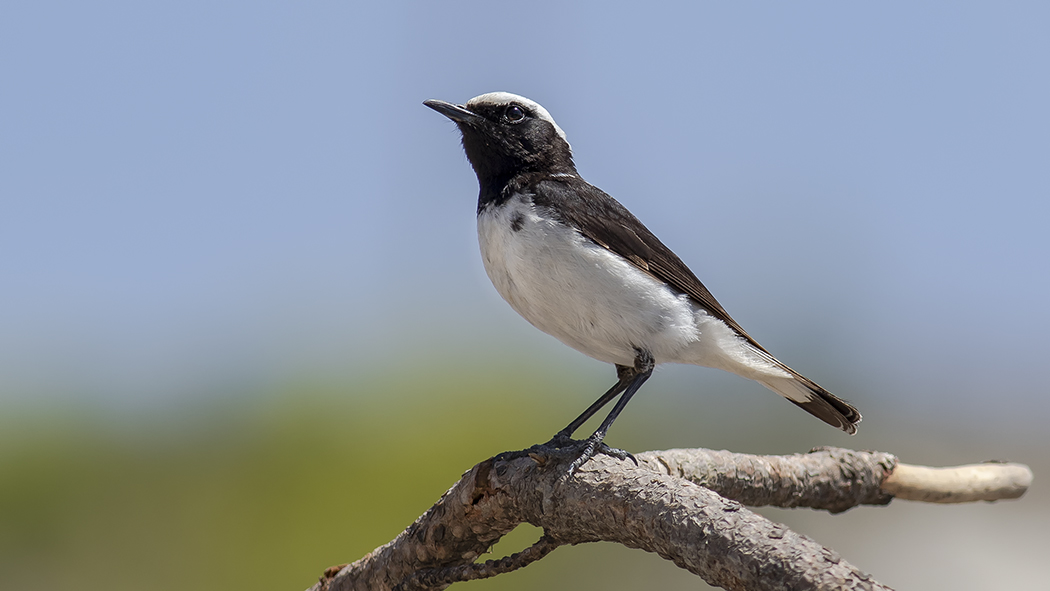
[(500, 191), (506, 162)]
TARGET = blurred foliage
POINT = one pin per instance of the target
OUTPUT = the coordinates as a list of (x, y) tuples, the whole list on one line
[(264, 491)]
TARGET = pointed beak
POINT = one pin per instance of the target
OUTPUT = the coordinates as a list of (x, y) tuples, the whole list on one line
[(457, 113)]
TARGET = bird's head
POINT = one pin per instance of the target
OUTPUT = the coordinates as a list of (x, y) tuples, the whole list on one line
[(505, 134)]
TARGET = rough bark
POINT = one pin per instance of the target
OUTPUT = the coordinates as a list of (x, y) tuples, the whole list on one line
[(832, 479), (684, 505)]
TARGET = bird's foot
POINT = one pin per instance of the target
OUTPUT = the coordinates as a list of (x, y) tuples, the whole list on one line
[(592, 446), (564, 447), (559, 445)]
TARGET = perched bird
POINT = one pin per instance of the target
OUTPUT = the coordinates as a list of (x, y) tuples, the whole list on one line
[(578, 266)]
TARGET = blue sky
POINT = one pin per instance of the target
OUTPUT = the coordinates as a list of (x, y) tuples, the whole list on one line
[(199, 194)]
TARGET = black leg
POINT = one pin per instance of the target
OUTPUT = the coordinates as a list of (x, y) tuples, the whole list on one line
[(631, 379), (643, 368), (636, 383), (625, 374)]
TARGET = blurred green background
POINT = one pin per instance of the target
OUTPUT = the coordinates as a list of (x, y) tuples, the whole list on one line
[(245, 333), (266, 490)]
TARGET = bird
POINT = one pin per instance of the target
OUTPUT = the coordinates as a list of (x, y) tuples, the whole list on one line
[(579, 266)]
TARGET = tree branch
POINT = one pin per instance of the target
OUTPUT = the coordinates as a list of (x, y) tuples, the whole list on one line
[(684, 505), (833, 479), (440, 577), (992, 481)]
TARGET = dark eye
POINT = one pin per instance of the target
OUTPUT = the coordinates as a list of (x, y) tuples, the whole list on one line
[(514, 114)]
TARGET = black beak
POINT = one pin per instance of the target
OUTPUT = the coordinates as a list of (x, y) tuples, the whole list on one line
[(456, 113)]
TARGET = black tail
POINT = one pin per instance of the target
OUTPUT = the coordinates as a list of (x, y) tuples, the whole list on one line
[(817, 401)]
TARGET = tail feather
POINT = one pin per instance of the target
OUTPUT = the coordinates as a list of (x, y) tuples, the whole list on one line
[(733, 350), (817, 401)]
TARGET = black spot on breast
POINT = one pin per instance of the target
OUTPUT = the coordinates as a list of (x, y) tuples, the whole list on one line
[(517, 221)]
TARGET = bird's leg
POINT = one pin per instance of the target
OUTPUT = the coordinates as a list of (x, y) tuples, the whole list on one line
[(630, 380), (643, 368), (625, 374), (562, 440)]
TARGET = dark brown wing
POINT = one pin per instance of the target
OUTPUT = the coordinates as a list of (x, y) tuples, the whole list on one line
[(602, 219)]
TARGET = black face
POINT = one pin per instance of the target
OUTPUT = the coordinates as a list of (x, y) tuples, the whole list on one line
[(506, 139)]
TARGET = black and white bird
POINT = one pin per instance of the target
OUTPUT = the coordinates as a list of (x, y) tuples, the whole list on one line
[(580, 267)]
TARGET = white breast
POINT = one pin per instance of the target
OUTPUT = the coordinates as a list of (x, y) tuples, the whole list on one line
[(579, 292)]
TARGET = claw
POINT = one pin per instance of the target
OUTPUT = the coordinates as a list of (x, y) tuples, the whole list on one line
[(593, 446), (617, 453), (564, 446)]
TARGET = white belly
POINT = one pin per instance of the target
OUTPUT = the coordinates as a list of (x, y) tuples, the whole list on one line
[(581, 293)]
